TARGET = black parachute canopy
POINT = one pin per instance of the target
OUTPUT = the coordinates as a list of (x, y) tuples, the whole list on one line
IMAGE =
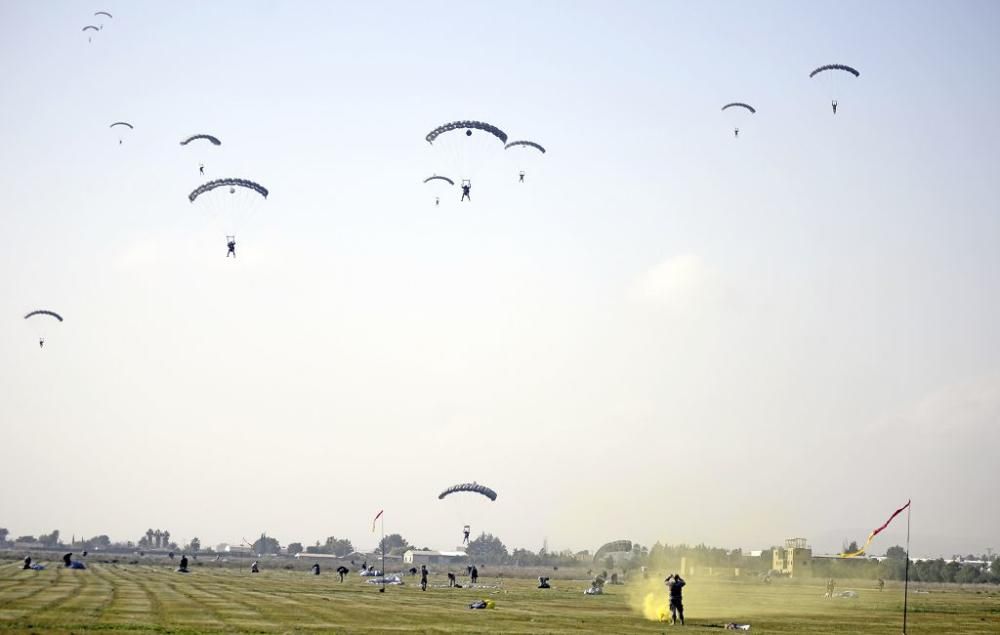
[(737, 104), (472, 487), (835, 67), (90, 26), (207, 137), (467, 125), (530, 144), (613, 547), (103, 13), (211, 185), (122, 123), (44, 312), (439, 178)]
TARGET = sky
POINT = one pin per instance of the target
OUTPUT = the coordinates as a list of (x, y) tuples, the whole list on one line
[(667, 333)]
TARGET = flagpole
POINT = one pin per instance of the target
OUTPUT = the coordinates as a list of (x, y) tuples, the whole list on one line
[(906, 583), (383, 554)]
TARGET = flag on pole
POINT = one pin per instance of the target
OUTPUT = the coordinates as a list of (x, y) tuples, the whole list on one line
[(377, 516), (877, 531)]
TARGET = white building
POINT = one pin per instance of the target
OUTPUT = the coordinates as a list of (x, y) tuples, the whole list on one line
[(415, 557)]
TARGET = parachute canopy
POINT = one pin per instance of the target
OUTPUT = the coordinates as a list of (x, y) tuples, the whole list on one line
[(835, 67), (530, 144), (468, 126), (472, 487), (104, 13), (89, 27), (439, 178), (211, 185), (737, 104), (122, 123), (44, 312), (207, 137), (613, 547)]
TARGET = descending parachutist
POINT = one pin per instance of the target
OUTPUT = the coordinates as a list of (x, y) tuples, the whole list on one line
[(520, 176), (232, 247), (41, 342), (736, 132), (437, 201), (834, 105), (466, 186), (201, 169)]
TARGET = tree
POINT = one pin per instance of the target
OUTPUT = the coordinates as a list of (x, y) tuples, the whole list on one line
[(149, 538), (488, 549), (166, 538), (266, 545), (294, 548), (195, 545), (50, 540), (3, 536), (896, 553), (25, 539), (157, 538), (341, 546), (394, 545), (849, 548)]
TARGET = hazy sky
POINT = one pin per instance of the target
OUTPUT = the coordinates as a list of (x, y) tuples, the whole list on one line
[(665, 334)]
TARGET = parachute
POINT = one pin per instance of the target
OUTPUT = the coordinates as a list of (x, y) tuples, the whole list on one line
[(104, 13), (737, 104), (90, 26), (439, 178), (207, 137), (44, 312), (122, 123), (472, 487), (835, 67), (615, 546), (232, 183), (468, 126), (530, 144)]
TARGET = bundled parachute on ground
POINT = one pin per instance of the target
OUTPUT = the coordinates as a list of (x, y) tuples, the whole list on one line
[(615, 546), (473, 487)]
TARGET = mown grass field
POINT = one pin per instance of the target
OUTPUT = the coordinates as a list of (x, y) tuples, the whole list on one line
[(142, 598)]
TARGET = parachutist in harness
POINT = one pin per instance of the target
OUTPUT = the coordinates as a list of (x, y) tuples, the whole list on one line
[(465, 531), (834, 105), (231, 243), (520, 176), (466, 186), (437, 201), (41, 342), (736, 132), (201, 169)]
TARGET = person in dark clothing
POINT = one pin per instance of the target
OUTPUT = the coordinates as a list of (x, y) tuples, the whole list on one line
[(231, 244), (437, 201), (67, 559), (543, 582), (451, 579), (315, 569), (201, 169), (27, 563), (474, 575), (675, 583), (423, 577), (183, 568), (412, 571), (881, 584), (736, 132), (466, 187), (834, 105), (520, 176), (342, 571), (254, 568), (465, 534), (41, 342)]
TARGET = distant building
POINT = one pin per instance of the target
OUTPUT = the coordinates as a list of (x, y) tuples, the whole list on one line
[(415, 557), (27, 545), (794, 559)]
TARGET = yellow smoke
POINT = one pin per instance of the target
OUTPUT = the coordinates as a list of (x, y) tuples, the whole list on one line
[(649, 598)]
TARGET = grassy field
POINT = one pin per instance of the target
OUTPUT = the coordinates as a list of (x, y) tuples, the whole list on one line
[(140, 598)]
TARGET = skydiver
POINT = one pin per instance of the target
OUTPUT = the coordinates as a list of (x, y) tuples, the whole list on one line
[(201, 169), (437, 201), (232, 247), (736, 132), (465, 532), (41, 342), (834, 105), (342, 571), (474, 575), (315, 569), (520, 176), (423, 577), (466, 186), (675, 583)]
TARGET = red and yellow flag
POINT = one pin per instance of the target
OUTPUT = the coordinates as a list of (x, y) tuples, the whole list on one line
[(872, 535)]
